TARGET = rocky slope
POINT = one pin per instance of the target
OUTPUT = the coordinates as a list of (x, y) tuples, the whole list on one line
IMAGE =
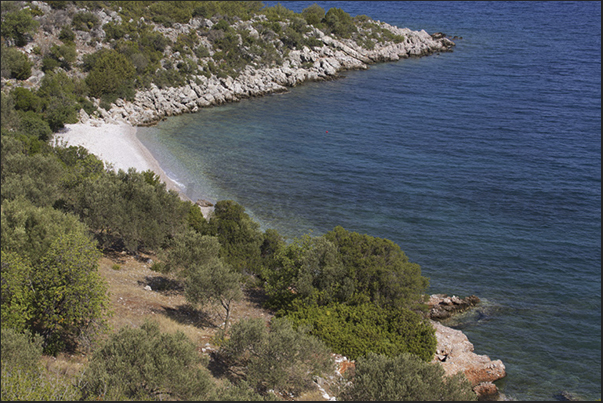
[(319, 63)]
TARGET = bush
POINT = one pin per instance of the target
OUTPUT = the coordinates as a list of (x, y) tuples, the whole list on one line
[(23, 379), (354, 331), (277, 358), (18, 25), (313, 14), (35, 178), (148, 365), (66, 34), (340, 23), (404, 378), (239, 236), (20, 350), (26, 100), (62, 297), (111, 73), (85, 21), (380, 269), (15, 64), (32, 124)]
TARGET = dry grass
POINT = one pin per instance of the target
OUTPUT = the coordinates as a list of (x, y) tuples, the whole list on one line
[(132, 304)]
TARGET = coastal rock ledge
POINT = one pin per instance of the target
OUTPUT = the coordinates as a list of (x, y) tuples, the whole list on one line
[(455, 354), (316, 64)]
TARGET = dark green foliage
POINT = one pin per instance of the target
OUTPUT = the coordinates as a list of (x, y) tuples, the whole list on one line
[(213, 282), (62, 297), (379, 268), (59, 95), (339, 22), (114, 31), (356, 330), (65, 54), (345, 267), (276, 357), (35, 178), (313, 14), (124, 208), (278, 13), (15, 64), (145, 364), (26, 100), (110, 73), (32, 124), (239, 236), (85, 21), (66, 34), (404, 378), (195, 219), (168, 13), (9, 118), (18, 25), (309, 269)]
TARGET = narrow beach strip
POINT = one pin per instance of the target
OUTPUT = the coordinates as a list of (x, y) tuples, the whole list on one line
[(117, 145)]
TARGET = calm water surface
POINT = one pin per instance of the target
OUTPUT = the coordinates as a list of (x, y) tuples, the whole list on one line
[(483, 164)]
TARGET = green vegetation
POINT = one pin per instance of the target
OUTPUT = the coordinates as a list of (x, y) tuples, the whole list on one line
[(355, 330), (145, 364), (61, 207), (404, 378), (277, 358), (18, 25), (15, 64)]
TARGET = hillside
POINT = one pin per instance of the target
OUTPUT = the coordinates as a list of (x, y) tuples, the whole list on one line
[(115, 288)]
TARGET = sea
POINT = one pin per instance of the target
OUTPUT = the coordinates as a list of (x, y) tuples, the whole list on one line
[(483, 164)]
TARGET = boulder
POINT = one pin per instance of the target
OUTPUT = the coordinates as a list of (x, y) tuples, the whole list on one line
[(455, 354), (442, 307)]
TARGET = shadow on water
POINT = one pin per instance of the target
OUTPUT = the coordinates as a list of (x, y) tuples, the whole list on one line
[(482, 313)]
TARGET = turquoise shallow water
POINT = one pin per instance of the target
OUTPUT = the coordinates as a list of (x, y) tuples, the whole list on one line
[(483, 164)]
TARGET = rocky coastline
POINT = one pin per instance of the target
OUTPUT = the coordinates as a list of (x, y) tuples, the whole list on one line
[(317, 64), (320, 63)]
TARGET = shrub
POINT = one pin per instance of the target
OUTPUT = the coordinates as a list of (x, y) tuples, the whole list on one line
[(354, 331), (404, 378), (146, 364), (18, 25), (64, 54), (35, 178), (111, 73), (66, 34), (239, 236), (313, 14), (277, 358), (380, 269), (339, 22), (20, 350), (85, 21), (15, 64), (32, 124), (23, 379), (68, 298), (26, 100)]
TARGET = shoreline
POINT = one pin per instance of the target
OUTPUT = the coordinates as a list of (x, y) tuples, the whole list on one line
[(117, 146)]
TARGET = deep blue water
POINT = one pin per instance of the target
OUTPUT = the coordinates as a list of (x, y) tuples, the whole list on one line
[(483, 164)]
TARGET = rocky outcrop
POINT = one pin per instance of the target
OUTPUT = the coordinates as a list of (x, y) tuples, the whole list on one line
[(441, 306), (455, 353), (319, 63)]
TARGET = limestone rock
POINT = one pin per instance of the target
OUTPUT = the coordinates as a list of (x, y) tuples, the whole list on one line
[(455, 353)]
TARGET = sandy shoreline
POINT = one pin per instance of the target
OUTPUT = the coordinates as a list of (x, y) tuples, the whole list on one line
[(117, 145)]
